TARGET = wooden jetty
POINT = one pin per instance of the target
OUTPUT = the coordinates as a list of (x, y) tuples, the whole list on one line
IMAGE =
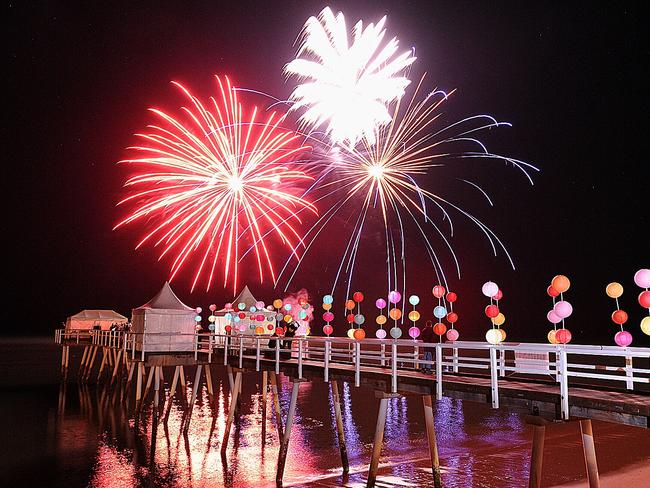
[(551, 382)]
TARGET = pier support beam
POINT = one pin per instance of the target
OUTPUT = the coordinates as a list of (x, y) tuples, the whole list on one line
[(276, 404), (138, 387), (589, 450), (537, 453), (339, 426), (265, 375), (433, 443), (195, 391), (379, 436), (284, 446), (172, 391), (231, 411)]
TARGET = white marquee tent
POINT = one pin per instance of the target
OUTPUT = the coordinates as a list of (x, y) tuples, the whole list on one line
[(168, 323), (246, 297), (92, 319)]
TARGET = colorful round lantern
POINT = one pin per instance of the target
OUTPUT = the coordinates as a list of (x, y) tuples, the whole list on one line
[(439, 329), (452, 317), (277, 303), (358, 296), (359, 319), (396, 332), (642, 278), (414, 332), (623, 338), (553, 317), (351, 333), (645, 325), (328, 316), (349, 304), (438, 291), (380, 303), (327, 306), (563, 309), (498, 296), (280, 331), (452, 297), (197, 318), (381, 319), (212, 318), (614, 290), (380, 334), (288, 318), (452, 335), (395, 313), (328, 329), (329, 299), (563, 336), (414, 316), (491, 311), (227, 328), (503, 334), (212, 307), (440, 312), (493, 336), (241, 306), (644, 299), (350, 318), (489, 289), (561, 283), (619, 317), (552, 292), (414, 300), (394, 297), (551, 337), (499, 320), (259, 330), (198, 310), (359, 334)]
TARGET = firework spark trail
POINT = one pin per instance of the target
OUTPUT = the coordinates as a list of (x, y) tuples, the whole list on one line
[(347, 86), (215, 179), (382, 170)]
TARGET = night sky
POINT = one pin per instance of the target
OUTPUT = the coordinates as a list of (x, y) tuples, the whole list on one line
[(568, 77)]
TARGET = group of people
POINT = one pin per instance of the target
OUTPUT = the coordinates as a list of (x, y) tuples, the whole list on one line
[(120, 326), (289, 331)]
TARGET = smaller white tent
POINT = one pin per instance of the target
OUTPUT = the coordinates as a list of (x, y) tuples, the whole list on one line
[(93, 319), (246, 297), (167, 322)]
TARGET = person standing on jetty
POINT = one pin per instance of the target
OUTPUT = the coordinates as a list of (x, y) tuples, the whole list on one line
[(428, 337)]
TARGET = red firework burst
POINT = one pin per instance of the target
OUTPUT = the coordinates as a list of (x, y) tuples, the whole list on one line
[(215, 181)]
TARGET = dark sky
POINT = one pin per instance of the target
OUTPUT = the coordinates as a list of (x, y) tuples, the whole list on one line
[(568, 77)]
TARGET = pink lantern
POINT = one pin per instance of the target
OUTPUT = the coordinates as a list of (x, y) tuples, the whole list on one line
[(260, 317), (439, 291), (563, 309), (380, 303), (394, 297), (498, 296), (328, 329), (642, 278), (380, 334), (414, 332), (452, 335), (259, 305), (553, 317), (198, 310), (212, 307), (228, 306), (328, 316), (623, 338)]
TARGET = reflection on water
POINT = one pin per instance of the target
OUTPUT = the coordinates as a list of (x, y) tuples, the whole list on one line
[(94, 438)]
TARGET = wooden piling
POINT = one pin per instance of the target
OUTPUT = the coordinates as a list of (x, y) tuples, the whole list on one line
[(195, 391), (231, 411), (431, 436), (537, 453), (276, 404), (379, 436), (83, 360), (208, 380), (264, 393), (138, 388), (172, 390), (101, 367), (284, 446), (339, 426), (589, 450)]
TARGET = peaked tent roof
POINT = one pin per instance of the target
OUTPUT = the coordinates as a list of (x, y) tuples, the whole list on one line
[(245, 296), (98, 315), (165, 299)]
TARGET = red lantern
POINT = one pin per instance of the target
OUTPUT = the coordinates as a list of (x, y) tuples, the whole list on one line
[(279, 331), (452, 317), (563, 336), (452, 297), (644, 299), (552, 292), (242, 315), (619, 317), (328, 329), (440, 329), (357, 297), (227, 328), (499, 295), (350, 318), (438, 291), (491, 311), (269, 326)]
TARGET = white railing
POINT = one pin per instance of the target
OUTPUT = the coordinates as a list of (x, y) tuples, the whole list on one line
[(550, 362)]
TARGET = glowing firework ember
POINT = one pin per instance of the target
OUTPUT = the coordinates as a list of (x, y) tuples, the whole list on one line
[(379, 175), (215, 178), (349, 84)]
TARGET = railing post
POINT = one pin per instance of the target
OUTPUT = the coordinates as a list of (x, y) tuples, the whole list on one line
[(629, 384), (438, 371), (564, 385), (210, 341), (300, 358), (357, 363), (393, 367), (502, 362), (383, 354), (327, 360), (196, 346), (277, 356), (241, 352), (494, 377), (225, 349), (144, 336), (257, 354), (455, 359)]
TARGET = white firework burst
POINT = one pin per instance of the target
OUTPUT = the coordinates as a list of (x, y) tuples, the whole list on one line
[(346, 87)]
